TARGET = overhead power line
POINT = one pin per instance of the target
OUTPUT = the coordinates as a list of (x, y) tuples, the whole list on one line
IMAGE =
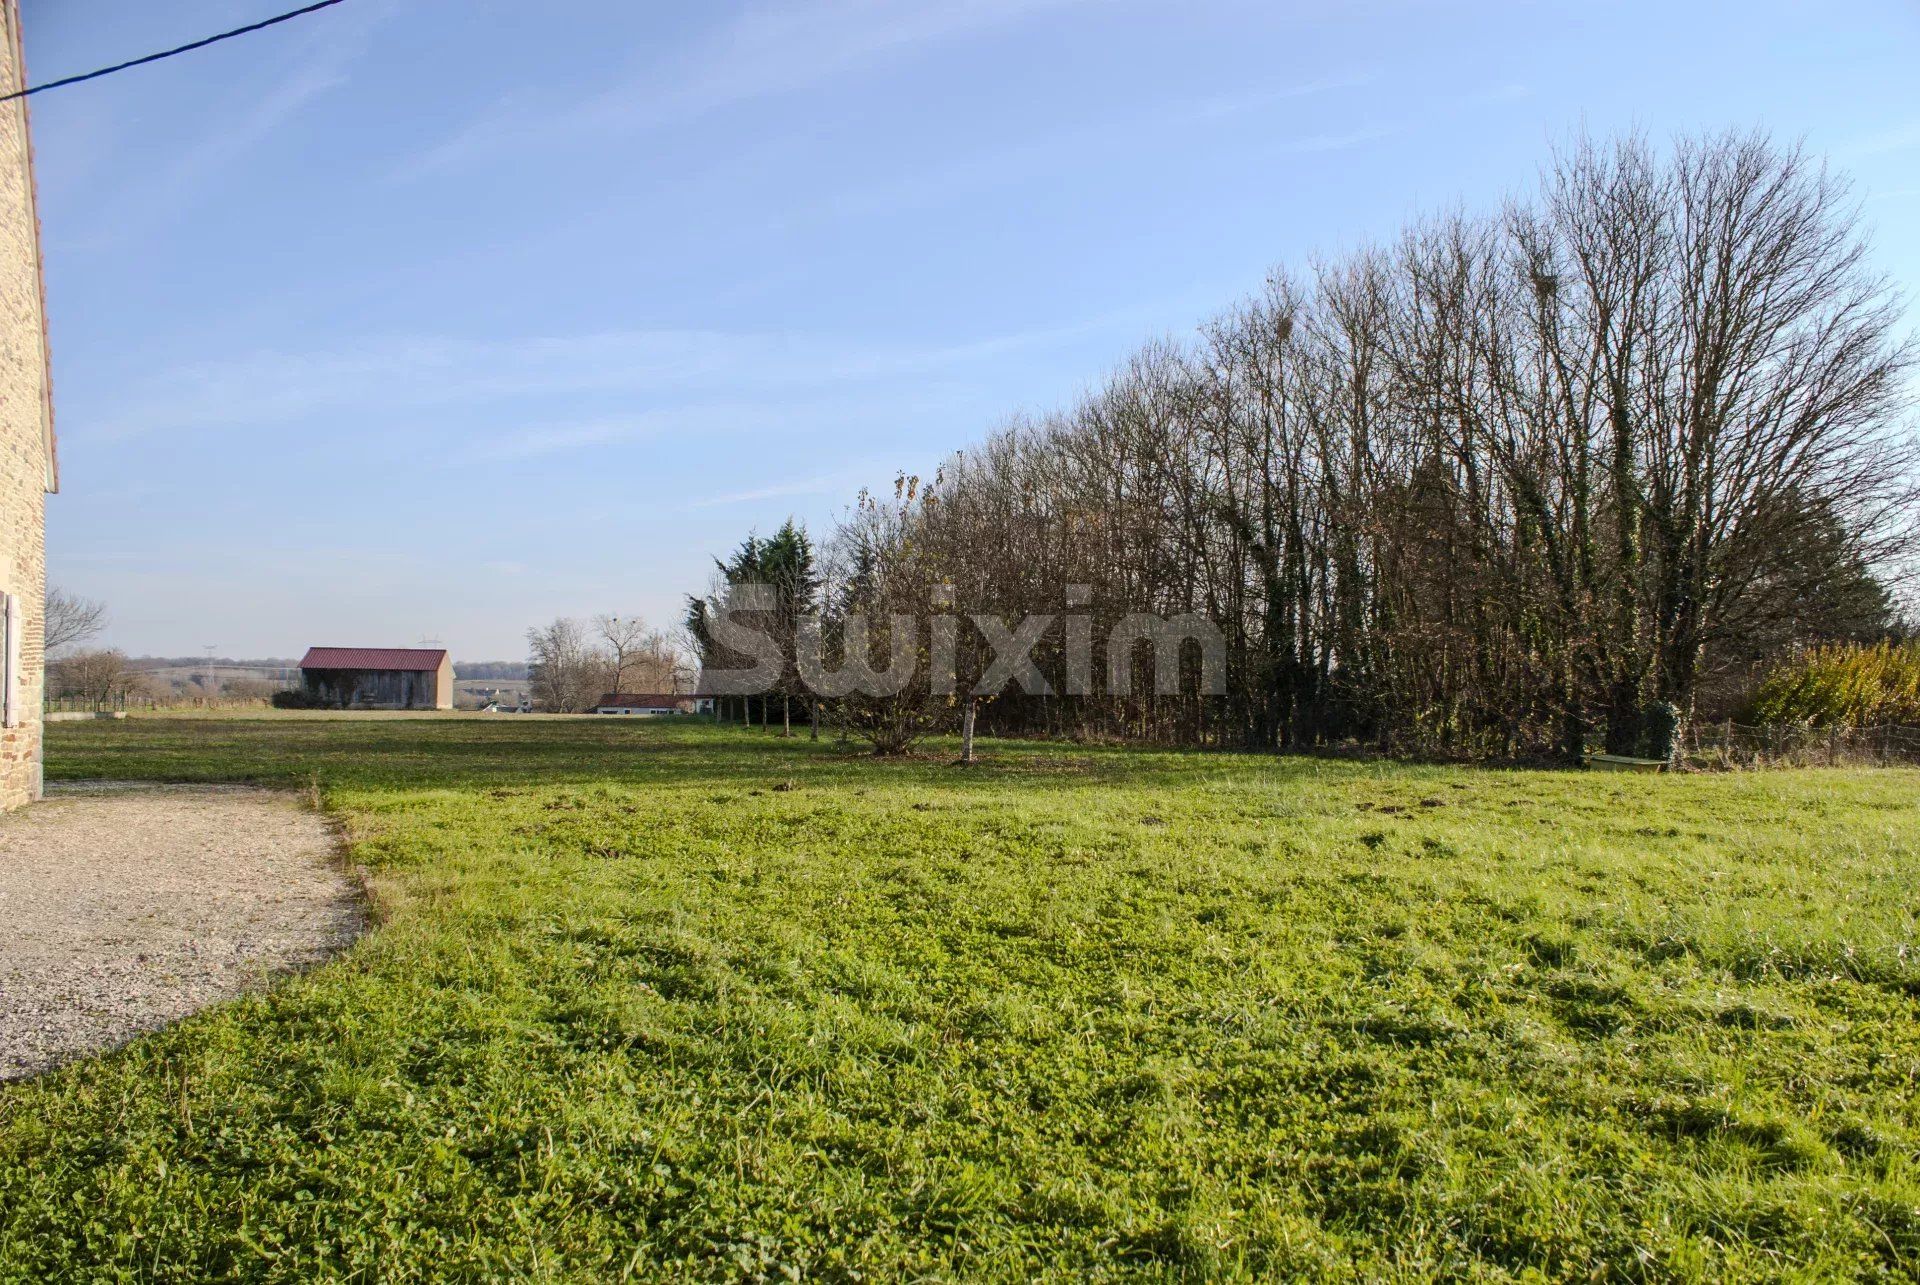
[(168, 53)]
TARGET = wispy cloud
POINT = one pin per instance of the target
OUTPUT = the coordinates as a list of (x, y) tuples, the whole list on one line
[(1337, 142), (768, 49), (657, 368), (1265, 96), (825, 484), (552, 439), (165, 192), (1899, 138), (706, 419), (142, 195), (1164, 124), (1507, 92)]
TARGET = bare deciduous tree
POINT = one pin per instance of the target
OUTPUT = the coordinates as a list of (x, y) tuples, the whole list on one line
[(574, 664), (99, 677), (621, 637), (568, 673), (71, 620)]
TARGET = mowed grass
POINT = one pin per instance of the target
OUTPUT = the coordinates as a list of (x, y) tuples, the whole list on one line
[(691, 1002)]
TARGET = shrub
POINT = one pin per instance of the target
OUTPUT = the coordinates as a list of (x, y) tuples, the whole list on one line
[(1843, 685), (297, 698)]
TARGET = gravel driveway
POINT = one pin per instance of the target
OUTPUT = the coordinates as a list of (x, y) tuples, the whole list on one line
[(123, 908)]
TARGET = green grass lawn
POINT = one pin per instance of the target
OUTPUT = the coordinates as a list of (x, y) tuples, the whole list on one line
[(678, 1001)]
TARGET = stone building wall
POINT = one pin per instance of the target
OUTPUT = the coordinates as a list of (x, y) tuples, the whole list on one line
[(26, 435)]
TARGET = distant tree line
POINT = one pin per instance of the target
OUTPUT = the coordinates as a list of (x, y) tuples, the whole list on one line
[(480, 670), (1509, 485), (226, 662)]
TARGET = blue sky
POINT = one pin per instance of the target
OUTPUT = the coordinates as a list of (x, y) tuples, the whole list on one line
[(439, 319)]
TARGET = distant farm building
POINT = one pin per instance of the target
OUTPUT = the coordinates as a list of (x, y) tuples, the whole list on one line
[(378, 677), (651, 703)]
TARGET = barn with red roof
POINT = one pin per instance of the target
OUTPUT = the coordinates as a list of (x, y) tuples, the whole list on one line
[(378, 677)]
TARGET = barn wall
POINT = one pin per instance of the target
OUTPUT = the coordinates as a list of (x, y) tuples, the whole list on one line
[(373, 688)]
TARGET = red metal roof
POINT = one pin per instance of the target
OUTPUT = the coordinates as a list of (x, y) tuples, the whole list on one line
[(413, 658)]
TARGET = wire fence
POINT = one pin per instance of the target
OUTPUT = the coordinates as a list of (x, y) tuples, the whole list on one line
[(1729, 744), (121, 703), (65, 703)]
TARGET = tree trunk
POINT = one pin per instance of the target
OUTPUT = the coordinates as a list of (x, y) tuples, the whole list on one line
[(1623, 717), (1573, 728), (966, 729)]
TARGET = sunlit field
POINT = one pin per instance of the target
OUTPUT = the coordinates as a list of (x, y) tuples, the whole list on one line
[(670, 1000)]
